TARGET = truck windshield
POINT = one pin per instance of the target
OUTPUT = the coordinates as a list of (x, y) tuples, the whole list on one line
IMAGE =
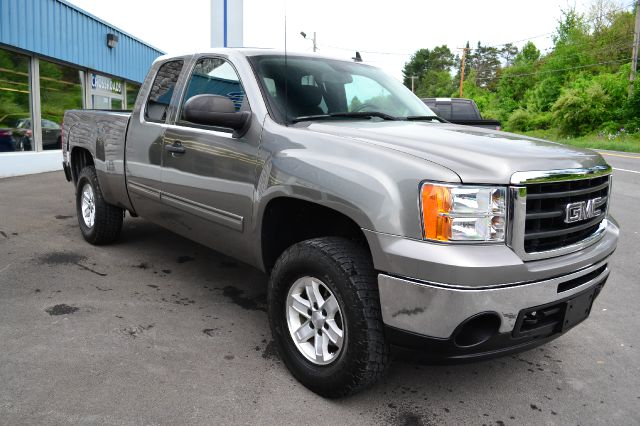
[(318, 88)]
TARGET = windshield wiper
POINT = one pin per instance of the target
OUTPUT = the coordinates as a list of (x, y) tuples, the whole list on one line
[(359, 114), (425, 118)]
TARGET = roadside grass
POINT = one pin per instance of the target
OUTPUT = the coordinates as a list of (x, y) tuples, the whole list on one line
[(619, 141)]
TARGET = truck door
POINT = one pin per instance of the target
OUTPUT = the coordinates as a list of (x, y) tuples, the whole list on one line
[(208, 175), (144, 142)]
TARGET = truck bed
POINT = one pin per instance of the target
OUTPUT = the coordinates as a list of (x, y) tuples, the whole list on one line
[(102, 133), (460, 111)]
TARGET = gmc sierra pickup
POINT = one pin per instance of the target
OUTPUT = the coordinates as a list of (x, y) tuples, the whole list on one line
[(378, 223)]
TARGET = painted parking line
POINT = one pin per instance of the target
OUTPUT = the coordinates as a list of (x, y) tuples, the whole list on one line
[(619, 155), (625, 170)]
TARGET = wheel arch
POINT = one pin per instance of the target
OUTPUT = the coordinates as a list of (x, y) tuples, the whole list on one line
[(287, 220), (80, 158)]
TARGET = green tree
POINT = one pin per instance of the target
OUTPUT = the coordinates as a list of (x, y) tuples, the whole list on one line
[(508, 53), (432, 67), (485, 61)]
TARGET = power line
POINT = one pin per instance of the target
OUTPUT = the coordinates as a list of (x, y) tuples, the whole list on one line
[(518, 41), (605, 48), (373, 52), (622, 39), (367, 51), (613, 48), (554, 71)]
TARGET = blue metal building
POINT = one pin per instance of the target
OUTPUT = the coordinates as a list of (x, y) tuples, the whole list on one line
[(55, 56), (62, 31)]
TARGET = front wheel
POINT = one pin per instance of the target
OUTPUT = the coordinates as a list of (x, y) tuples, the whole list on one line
[(100, 222), (324, 312)]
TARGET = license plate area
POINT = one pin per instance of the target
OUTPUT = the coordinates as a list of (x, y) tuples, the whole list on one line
[(578, 309), (556, 317)]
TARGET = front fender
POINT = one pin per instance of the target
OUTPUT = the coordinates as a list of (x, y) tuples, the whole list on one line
[(374, 186)]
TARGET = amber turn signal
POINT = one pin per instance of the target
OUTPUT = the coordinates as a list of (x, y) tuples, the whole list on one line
[(436, 204)]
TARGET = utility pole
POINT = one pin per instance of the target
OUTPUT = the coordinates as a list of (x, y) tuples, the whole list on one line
[(636, 47), (315, 45), (413, 77), (464, 58)]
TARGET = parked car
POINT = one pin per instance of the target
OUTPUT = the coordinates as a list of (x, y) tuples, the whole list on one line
[(51, 135), (7, 143), (377, 222), (460, 111)]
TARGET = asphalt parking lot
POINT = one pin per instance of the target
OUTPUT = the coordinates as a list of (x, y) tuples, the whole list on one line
[(159, 330)]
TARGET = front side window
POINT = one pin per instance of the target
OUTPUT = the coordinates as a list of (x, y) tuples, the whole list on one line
[(316, 88), (371, 95), (215, 76), (162, 91)]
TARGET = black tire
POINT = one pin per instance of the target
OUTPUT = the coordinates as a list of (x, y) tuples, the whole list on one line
[(346, 269), (108, 218)]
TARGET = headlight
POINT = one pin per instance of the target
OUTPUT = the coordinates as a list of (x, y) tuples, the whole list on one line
[(463, 212)]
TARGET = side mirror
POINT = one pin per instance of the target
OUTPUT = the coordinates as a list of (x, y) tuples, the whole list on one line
[(215, 110)]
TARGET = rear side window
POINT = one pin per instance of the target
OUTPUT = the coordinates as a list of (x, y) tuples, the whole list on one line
[(161, 91), (463, 111)]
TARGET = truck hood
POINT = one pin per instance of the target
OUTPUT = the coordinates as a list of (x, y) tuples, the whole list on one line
[(476, 155)]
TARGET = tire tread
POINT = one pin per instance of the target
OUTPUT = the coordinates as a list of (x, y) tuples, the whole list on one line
[(356, 263), (108, 222)]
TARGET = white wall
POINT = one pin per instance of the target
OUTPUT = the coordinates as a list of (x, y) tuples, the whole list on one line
[(27, 163)]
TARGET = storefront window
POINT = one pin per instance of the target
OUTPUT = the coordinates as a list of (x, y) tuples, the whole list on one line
[(106, 92), (132, 94), (14, 101), (60, 90)]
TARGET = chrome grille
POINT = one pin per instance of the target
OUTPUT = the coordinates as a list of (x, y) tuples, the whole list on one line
[(538, 204), (545, 226)]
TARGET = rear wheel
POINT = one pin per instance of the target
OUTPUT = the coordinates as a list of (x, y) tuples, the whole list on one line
[(324, 312), (100, 222)]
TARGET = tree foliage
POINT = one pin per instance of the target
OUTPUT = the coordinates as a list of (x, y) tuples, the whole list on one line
[(579, 85), (433, 71)]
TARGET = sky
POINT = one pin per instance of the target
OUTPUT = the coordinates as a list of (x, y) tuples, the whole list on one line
[(385, 32)]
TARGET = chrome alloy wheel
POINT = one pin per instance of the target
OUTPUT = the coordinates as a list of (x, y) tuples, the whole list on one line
[(315, 320), (88, 206)]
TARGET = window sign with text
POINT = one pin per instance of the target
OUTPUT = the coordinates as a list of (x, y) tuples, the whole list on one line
[(105, 84)]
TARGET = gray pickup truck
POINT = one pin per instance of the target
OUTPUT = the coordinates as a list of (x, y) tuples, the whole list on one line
[(378, 224)]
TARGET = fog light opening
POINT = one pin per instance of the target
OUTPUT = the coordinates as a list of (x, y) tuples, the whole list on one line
[(477, 329)]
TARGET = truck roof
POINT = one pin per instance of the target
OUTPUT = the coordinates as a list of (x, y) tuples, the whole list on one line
[(250, 51), (460, 100)]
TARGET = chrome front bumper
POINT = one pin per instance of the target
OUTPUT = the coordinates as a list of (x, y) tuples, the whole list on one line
[(435, 310)]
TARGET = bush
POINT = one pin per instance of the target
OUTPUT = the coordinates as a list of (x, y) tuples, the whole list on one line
[(542, 96), (542, 121), (522, 120), (577, 111), (631, 110), (519, 121)]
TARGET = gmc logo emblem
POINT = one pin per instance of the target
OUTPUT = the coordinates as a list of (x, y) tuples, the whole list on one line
[(582, 210)]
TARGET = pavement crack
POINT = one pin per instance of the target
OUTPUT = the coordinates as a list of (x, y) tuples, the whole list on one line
[(91, 270), (103, 289)]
